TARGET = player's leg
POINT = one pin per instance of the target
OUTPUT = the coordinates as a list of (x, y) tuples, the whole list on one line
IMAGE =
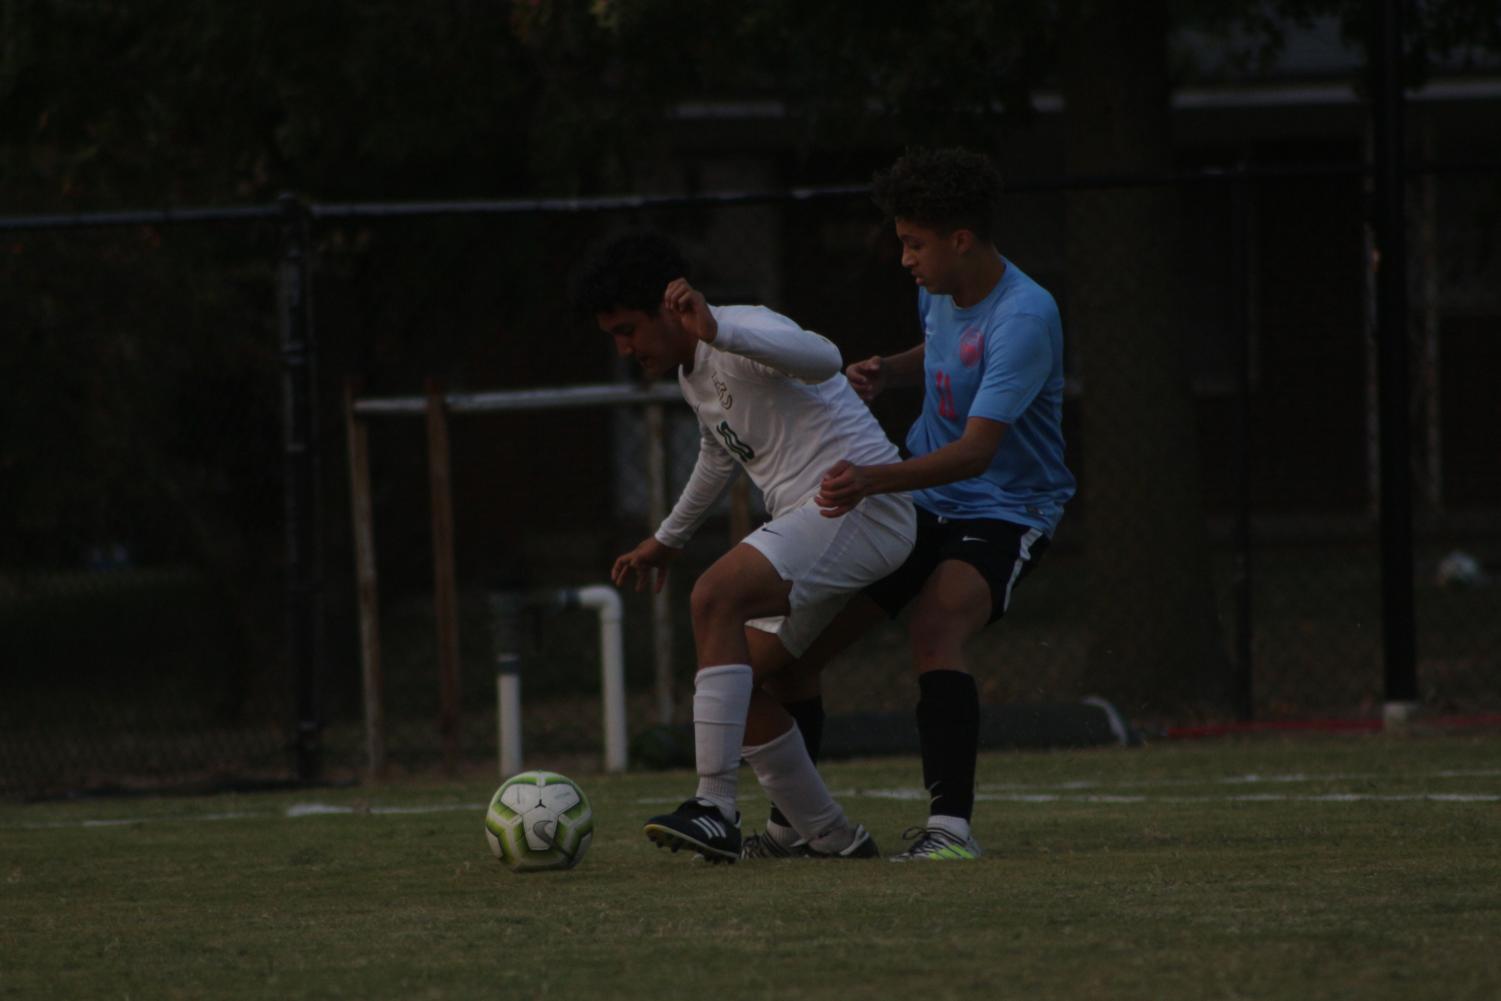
[(953, 606), (815, 824), (775, 705), (797, 682), (793, 679), (797, 689), (794, 686), (739, 586), (830, 561), (970, 588), (792, 683), (769, 659), (782, 743)]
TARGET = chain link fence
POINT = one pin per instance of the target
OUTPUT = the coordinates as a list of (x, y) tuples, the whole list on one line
[(141, 585), (140, 582)]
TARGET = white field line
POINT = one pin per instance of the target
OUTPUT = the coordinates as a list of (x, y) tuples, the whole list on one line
[(292, 812), (1268, 797), (1248, 779), (323, 809), (1061, 792), (1089, 791), (919, 795)]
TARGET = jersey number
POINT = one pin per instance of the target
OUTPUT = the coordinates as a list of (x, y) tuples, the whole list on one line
[(733, 443), (944, 386)]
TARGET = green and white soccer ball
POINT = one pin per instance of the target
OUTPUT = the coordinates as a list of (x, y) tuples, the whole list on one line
[(539, 821)]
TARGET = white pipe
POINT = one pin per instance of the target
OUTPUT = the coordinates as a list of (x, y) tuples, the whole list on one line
[(508, 714), (505, 401), (606, 602)]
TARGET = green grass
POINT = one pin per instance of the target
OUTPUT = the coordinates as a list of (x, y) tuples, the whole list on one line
[(1156, 873)]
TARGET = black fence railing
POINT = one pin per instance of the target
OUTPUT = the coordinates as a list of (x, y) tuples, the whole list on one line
[(177, 594)]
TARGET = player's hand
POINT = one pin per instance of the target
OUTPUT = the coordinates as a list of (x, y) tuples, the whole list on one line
[(842, 487), (688, 305), (647, 557), (867, 378)]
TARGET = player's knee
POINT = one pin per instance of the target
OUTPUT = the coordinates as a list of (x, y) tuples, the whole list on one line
[(712, 600), (933, 638)]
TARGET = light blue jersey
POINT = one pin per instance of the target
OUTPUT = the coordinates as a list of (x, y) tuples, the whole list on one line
[(1001, 359)]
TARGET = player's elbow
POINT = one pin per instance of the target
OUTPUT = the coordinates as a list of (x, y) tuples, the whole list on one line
[(823, 360), (827, 365), (974, 464), (978, 445), (974, 457)]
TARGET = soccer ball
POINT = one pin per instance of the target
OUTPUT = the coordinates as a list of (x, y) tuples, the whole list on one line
[(1460, 569), (539, 821)]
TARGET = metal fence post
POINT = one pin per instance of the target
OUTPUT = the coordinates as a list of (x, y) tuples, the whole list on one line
[(1243, 691), (1395, 443), (302, 496)]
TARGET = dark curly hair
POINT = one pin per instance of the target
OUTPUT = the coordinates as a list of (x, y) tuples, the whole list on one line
[(945, 189), (630, 271)]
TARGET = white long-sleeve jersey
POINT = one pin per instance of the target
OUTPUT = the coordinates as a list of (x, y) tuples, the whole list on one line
[(772, 397)]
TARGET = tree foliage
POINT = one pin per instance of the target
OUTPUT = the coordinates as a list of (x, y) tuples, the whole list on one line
[(154, 103), (845, 73)]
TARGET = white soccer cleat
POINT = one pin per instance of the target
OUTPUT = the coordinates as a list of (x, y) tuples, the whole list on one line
[(934, 844)]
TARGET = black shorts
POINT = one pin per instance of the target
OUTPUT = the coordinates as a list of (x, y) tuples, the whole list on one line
[(1003, 551)]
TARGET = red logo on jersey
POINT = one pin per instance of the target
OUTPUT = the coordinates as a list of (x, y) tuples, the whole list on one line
[(944, 387), (971, 347)]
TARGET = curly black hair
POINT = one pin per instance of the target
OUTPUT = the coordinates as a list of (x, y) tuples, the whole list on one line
[(945, 189), (629, 271)]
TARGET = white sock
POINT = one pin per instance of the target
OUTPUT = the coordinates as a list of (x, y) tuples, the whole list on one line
[(781, 833), (792, 782), (957, 826), (721, 698)]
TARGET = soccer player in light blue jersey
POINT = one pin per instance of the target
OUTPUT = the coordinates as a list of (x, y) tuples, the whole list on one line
[(985, 468)]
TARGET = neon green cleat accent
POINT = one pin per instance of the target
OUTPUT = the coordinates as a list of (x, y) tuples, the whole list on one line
[(934, 844)]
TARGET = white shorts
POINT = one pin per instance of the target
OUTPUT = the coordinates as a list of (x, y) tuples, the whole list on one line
[(829, 559)]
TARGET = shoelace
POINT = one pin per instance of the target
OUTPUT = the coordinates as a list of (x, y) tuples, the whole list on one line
[(926, 839), (760, 846)]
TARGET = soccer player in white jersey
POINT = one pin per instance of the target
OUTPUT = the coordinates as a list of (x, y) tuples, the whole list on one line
[(986, 464), (771, 399)]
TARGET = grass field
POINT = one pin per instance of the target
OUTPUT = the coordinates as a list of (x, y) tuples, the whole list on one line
[(1335, 867)]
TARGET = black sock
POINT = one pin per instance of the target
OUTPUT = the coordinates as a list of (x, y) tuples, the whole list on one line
[(948, 728), (808, 715)]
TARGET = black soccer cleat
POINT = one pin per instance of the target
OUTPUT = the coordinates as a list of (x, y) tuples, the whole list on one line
[(861, 845), (763, 846), (699, 826)]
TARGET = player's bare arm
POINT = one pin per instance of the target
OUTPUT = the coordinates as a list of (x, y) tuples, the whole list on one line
[(869, 378), (846, 484), (648, 557), (688, 305)]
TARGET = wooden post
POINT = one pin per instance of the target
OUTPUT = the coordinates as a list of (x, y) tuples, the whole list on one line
[(362, 520), (445, 591)]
